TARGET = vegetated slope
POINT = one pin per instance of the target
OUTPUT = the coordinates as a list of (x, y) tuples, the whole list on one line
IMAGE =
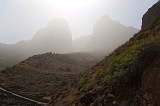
[(130, 76), (41, 76)]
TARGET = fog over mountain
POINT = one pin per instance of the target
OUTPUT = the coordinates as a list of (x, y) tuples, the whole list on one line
[(107, 35), (79, 53), (21, 19), (56, 37), (110, 34)]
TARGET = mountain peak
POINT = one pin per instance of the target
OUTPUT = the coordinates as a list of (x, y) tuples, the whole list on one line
[(108, 33), (51, 37)]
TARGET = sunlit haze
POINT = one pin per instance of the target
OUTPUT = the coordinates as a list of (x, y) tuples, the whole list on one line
[(21, 19), (79, 52), (70, 5)]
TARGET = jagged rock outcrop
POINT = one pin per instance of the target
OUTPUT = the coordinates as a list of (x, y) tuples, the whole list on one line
[(151, 15), (109, 34)]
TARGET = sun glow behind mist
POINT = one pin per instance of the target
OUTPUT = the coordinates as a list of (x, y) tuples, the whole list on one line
[(71, 5), (21, 19)]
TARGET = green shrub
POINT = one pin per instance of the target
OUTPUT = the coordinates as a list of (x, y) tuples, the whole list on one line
[(126, 62), (123, 62)]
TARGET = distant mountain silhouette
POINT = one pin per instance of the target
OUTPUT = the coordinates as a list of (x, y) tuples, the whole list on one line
[(56, 37), (107, 35)]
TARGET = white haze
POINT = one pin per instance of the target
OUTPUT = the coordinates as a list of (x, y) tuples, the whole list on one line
[(21, 19), (51, 26)]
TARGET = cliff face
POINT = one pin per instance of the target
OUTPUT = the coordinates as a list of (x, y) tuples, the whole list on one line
[(151, 15), (129, 76)]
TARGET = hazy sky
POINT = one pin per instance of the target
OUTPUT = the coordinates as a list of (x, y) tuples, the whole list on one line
[(21, 19)]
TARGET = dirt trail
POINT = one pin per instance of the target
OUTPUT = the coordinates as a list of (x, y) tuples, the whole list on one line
[(22, 97)]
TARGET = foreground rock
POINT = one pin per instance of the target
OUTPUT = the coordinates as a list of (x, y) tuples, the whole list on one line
[(150, 16)]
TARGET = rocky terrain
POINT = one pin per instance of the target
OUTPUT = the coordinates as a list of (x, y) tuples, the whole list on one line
[(41, 76), (151, 16), (130, 76)]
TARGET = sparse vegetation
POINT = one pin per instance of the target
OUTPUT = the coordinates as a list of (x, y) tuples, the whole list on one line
[(45, 75), (125, 67), (119, 76)]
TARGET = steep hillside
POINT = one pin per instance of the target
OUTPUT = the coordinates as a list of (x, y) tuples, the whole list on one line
[(41, 76), (130, 76)]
